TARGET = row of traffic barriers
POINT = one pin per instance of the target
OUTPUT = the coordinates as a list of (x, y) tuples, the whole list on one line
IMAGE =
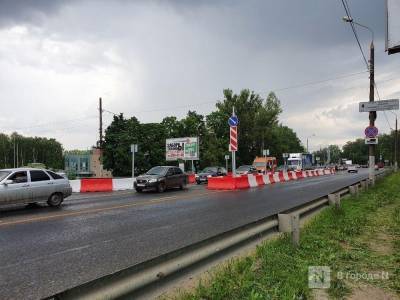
[(85, 185), (249, 181)]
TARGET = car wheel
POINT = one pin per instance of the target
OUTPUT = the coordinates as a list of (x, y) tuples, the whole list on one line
[(55, 200), (198, 182), (139, 190), (161, 187)]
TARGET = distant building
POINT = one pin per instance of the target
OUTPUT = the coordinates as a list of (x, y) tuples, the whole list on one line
[(85, 163)]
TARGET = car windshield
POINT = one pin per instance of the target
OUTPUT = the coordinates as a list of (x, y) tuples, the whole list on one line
[(157, 171), (4, 174), (294, 162), (243, 168), (210, 170)]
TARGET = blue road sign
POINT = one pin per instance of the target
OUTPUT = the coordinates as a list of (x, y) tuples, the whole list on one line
[(371, 131), (233, 121)]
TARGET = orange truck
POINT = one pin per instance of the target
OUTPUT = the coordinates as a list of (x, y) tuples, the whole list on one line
[(269, 162)]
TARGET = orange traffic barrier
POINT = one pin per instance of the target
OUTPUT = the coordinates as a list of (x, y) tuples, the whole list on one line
[(299, 174), (259, 179), (96, 185), (192, 178), (242, 182), (221, 183)]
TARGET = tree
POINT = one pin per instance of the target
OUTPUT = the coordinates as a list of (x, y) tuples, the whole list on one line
[(30, 150), (357, 151), (258, 129)]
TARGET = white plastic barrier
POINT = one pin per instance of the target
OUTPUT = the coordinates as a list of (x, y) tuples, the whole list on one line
[(76, 185), (121, 184)]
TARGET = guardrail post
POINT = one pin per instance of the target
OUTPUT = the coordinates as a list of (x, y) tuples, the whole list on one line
[(334, 199), (353, 190), (363, 185), (290, 223)]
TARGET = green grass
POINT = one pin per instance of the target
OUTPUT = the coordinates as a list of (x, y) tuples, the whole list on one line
[(339, 238)]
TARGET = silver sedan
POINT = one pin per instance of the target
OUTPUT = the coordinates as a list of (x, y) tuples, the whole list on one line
[(28, 185)]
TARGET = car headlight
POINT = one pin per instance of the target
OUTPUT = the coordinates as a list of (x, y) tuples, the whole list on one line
[(209, 176), (153, 180)]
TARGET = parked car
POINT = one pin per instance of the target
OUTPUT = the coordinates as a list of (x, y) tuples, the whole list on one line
[(161, 178), (352, 169), (246, 169), (30, 185), (202, 176)]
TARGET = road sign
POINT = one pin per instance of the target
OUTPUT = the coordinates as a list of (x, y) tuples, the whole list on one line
[(265, 152), (285, 155), (233, 121), (227, 157), (391, 104), (371, 141), (134, 148), (233, 144), (371, 131)]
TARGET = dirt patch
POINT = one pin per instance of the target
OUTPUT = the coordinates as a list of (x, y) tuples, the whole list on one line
[(363, 292), (319, 294), (382, 244)]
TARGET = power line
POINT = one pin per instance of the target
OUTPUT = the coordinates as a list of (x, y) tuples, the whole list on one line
[(347, 9), (318, 81)]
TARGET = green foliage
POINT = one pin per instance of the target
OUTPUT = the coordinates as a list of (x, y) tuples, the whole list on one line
[(258, 129), (30, 150)]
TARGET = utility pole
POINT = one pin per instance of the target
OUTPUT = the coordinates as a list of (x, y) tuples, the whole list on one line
[(372, 114), (395, 147), (100, 123)]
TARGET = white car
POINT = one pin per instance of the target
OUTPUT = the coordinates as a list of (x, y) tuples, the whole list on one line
[(28, 185), (352, 169)]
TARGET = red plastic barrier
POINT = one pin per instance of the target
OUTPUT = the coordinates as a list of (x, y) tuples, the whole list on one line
[(96, 185), (242, 182), (290, 175), (299, 174), (271, 178), (221, 183), (280, 175), (192, 178), (260, 180)]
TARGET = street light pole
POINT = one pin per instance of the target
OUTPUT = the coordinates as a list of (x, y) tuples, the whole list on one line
[(372, 114), (307, 140), (396, 141)]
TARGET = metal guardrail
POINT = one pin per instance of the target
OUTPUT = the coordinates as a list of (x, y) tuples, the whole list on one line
[(156, 270)]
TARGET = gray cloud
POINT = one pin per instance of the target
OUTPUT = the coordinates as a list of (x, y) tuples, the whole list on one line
[(144, 56)]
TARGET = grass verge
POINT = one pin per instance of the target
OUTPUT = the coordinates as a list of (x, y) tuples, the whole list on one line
[(358, 241)]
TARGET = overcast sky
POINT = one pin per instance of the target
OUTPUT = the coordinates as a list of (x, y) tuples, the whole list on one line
[(153, 59)]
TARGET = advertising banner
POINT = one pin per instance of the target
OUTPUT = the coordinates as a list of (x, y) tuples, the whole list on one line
[(182, 148)]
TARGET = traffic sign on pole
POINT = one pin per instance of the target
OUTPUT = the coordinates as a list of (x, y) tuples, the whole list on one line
[(233, 144), (392, 104), (371, 131), (371, 141), (233, 121)]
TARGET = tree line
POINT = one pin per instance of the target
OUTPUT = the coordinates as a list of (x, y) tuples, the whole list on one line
[(18, 151), (357, 151), (258, 129)]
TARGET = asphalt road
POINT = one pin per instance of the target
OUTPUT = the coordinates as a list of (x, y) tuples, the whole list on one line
[(44, 251)]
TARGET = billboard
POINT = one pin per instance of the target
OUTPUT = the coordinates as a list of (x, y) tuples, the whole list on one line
[(186, 148), (392, 26)]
